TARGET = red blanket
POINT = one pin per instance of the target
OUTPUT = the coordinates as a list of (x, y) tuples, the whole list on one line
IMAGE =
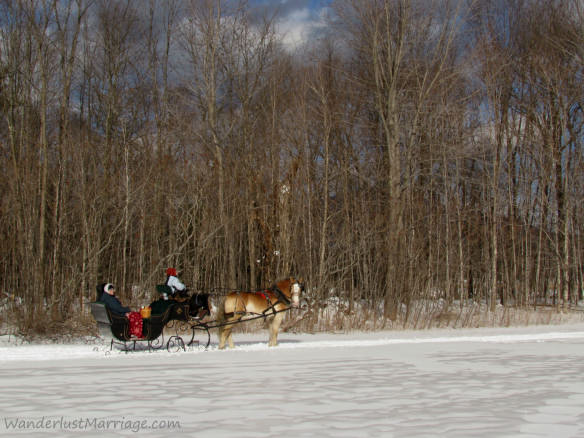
[(135, 324)]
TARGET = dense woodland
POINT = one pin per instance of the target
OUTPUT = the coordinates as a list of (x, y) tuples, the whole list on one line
[(411, 150)]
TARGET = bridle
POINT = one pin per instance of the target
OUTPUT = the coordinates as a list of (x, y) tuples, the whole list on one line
[(295, 288)]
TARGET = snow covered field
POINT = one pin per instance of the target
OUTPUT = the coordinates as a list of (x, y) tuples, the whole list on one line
[(452, 383)]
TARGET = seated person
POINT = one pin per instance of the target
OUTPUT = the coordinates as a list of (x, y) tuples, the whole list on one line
[(115, 306), (108, 297)]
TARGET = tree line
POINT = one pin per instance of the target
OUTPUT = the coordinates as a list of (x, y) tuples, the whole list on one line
[(414, 150)]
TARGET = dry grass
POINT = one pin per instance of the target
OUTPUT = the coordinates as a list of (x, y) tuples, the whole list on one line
[(423, 315), (430, 315)]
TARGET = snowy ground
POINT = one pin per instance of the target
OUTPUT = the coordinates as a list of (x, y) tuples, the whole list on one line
[(456, 383)]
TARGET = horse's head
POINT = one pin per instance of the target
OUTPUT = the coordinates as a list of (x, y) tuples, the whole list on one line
[(295, 289), (291, 289)]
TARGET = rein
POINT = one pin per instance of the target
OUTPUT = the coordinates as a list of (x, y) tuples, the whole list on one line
[(215, 324), (280, 296)]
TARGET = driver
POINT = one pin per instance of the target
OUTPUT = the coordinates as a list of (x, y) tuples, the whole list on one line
[(174, 283)]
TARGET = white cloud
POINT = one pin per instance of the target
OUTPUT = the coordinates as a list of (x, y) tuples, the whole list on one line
[(300, 26), (295, 27)]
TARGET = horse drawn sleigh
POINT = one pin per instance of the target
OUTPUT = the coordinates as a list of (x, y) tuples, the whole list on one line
[(187, 317)]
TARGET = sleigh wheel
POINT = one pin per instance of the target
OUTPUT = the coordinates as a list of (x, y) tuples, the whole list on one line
[(175, 344)]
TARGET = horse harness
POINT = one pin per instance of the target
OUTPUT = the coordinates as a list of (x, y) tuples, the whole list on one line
[(280, 298), (271, 308)]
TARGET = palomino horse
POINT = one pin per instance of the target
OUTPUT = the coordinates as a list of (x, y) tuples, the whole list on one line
[(270, 303)]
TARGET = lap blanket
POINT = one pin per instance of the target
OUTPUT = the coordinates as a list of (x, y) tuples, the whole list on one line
[(135, 324)]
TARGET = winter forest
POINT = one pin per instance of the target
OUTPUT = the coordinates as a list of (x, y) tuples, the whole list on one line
[(409, 151)]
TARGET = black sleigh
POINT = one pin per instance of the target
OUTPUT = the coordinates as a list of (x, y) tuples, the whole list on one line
[(182, 319)]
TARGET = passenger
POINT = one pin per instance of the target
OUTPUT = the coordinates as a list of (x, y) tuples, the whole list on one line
[(115, 306), (111, 301), (174, 283)]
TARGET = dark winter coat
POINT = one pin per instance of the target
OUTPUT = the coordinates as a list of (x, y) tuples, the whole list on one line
[(113, 304), (160, 306)]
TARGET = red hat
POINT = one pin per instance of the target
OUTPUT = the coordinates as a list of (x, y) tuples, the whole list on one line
[(171, 272)]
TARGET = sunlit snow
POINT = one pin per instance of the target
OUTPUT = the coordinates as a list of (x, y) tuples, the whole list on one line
[(456, 383)]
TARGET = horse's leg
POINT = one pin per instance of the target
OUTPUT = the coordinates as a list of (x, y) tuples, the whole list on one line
[(222, 337), (235, 307), (224, 332), (225, 336), (230, 338), (274, 327)]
